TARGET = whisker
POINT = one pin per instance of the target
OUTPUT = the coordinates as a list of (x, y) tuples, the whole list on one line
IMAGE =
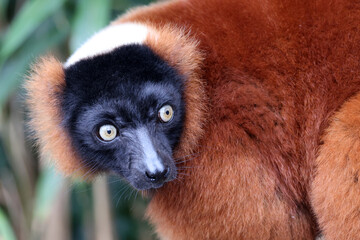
[(73, 184), (116, 180), (183, 174), (181, 177), (127, 197), (179, 180), (91, 170), (131, 195), (188, 167), (119, 191), (190, 155), (136, 194), (126, 190), (186, 160), (84, 166)]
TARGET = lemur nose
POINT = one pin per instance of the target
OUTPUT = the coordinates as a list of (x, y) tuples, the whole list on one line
[(158, 175)]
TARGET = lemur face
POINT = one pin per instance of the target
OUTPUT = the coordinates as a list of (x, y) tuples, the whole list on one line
[(124, 112)]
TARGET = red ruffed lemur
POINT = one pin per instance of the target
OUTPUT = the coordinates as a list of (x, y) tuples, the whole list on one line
[(253, 106)]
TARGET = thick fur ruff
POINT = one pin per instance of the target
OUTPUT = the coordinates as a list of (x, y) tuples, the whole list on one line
[(272, 117), (44, 86)]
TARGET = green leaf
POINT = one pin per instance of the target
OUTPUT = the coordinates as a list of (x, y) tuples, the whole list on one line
[(3, 159), (27, 20), (49, 184), (6, 232), (90, 16), (14, 69), (3, 7), (124, 5), (47, 190)]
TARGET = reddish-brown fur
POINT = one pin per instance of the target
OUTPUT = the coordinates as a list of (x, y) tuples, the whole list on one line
[(277, 74), (335, 189), (181, 52), (44, 86)]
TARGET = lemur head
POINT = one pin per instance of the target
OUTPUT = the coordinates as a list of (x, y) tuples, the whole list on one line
[(124, 102), (124, 111)]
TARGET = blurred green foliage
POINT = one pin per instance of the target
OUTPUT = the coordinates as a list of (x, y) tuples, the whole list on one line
[(35, 201)]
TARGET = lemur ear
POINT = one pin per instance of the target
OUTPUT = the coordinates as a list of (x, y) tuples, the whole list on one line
[(44, 87)]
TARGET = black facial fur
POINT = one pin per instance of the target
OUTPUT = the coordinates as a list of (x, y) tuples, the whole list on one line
[(125, 88)]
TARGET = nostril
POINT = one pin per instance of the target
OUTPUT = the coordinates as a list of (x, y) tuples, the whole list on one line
[(158, 175), (150, 175)]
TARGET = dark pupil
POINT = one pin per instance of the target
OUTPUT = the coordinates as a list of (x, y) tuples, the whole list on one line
[(109, 131), (167, 112)]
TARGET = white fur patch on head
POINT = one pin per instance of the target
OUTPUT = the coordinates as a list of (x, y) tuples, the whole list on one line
[(108, 39)]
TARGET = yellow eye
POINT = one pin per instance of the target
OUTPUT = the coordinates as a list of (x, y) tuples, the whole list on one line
[(166, 113), (107, 132)]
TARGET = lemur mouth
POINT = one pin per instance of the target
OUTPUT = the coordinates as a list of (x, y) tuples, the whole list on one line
[(153, 180)]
